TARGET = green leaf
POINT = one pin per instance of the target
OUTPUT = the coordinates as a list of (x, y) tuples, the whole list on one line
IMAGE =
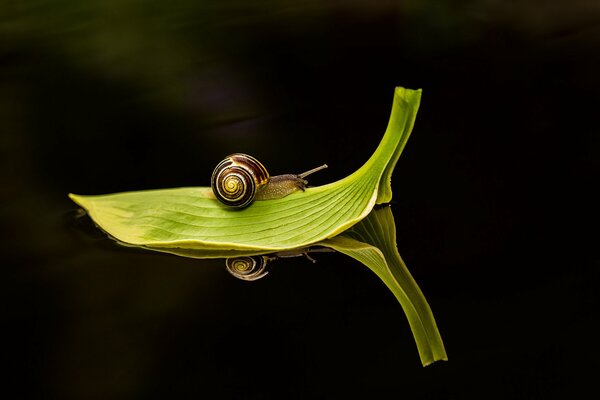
[(191, 218), (373, 243), (190, 222)]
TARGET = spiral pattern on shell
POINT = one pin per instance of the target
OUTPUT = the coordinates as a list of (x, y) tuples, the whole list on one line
[(237, 178), (247, 268)]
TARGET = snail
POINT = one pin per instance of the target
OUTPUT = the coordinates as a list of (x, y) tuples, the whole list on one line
[(252, 268), (248, 268), (240, 179)]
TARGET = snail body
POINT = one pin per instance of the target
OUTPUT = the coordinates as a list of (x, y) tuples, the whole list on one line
[(240, 179)]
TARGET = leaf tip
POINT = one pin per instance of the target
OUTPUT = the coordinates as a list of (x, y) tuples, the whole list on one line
[(402, 91), (430, 362), (77, 199)]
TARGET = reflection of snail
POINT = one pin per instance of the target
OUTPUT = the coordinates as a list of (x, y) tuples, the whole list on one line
[(248, 268), (251, 268), (239, 179)]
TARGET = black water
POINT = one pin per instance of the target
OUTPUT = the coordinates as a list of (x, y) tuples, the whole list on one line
[(492, 195)]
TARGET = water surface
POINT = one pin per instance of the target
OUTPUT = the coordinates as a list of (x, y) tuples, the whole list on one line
[(491, 195)]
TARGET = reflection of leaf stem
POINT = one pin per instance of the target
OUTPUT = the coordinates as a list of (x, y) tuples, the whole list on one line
[(373, 242)]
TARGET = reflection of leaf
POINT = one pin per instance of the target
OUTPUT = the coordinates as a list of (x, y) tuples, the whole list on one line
[(191, 218), (373, 243)]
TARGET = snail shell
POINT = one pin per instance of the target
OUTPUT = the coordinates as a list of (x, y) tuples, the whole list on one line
[(248, 268), (237, 178)]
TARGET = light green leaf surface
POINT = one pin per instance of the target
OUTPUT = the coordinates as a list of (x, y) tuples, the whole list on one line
[(191, 218), (373, 243)]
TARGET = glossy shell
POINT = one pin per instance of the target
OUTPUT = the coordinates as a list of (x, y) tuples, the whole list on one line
[(247, 268), (237, 178)]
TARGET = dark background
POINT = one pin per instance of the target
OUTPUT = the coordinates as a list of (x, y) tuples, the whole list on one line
[(492, 195)]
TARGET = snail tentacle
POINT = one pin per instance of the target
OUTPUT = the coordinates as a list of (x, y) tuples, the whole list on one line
[(312, 171)]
